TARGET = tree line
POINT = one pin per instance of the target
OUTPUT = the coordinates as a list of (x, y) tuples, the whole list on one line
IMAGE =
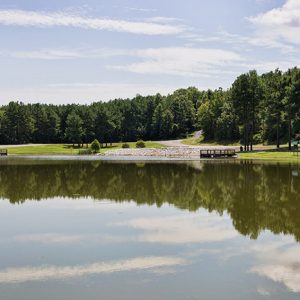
[(255, 109)]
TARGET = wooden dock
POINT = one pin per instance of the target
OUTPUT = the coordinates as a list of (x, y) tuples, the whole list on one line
[(217, 153), (3, 152)]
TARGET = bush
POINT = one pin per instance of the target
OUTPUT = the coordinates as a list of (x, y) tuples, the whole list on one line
[(125, 146), (85, 152), (257, 139), (140, 144), (95, 146)]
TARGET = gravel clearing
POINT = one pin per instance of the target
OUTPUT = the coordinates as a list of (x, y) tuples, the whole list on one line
[(167, 152)]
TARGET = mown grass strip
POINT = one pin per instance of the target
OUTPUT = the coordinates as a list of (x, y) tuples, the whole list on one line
[(65, 149)]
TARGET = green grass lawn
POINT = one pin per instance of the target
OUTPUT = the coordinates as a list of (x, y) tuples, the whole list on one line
[(43, 150), (64, 149), (268, 152), (271, 155), (116, 146), (199, 142)]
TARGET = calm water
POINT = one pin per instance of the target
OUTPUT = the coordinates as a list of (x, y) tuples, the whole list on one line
[(110, 230)]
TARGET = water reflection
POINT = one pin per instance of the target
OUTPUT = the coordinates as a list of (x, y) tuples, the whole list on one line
[(48, 238), (279, 262), (256, 196), (79, 229), (182, 229), (19, 275)]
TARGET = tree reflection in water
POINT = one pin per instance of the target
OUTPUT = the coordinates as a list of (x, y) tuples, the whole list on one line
[(256, 196)]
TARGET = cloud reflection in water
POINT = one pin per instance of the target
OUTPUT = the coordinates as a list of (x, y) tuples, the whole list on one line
[(42, 273), (183, 229), (279, 262)]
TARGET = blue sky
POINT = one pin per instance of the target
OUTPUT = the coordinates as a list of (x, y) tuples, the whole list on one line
[(82, 51)]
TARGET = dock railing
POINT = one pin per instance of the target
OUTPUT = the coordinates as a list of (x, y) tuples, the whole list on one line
[(3, 152), (217, 153)]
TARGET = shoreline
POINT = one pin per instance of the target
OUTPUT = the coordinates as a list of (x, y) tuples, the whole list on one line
[(160, 152), (144, 159)]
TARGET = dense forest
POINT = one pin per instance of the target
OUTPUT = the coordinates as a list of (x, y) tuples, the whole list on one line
[(255, 109)]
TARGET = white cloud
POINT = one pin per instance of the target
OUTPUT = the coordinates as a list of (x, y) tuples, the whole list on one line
[(163, 20), (279, 24), (256, 40), (50, 54), (266, 66), (66, 54), (288, 14), (29, 274), (182, 61), (199, 63), (263, 1), (240, 42), (139, 9), (64, 19), (83, 93)]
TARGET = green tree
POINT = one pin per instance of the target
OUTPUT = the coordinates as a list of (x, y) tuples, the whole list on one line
[(104, 126), (183, 111), (17, 123), (95, 146), (205, 120), (292, 100), (272, 109), (53, 126), (209, 112), (88, 118), (226, 127), (157, 121), (41, 122), (1, 126), (167, 124), (74, 131), (246, 93)]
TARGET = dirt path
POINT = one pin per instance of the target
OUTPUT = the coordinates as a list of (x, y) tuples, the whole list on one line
[(178, 144), (173, 143)]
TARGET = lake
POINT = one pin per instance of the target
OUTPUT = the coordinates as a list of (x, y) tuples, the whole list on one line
[(78, 229)]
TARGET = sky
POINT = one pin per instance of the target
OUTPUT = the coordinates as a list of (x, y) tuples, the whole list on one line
[(81, 51)]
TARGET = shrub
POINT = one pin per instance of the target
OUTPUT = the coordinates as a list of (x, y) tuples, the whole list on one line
[(257, 139), (85, 152), (125, 146), (140, 144), (95, 146)]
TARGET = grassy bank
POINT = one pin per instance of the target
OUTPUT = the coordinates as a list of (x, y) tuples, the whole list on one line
[(271, 155), (266, 153), (262, 152), (257, 147), (64, 149)]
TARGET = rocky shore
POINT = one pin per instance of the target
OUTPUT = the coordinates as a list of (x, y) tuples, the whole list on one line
[(165, 152)]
